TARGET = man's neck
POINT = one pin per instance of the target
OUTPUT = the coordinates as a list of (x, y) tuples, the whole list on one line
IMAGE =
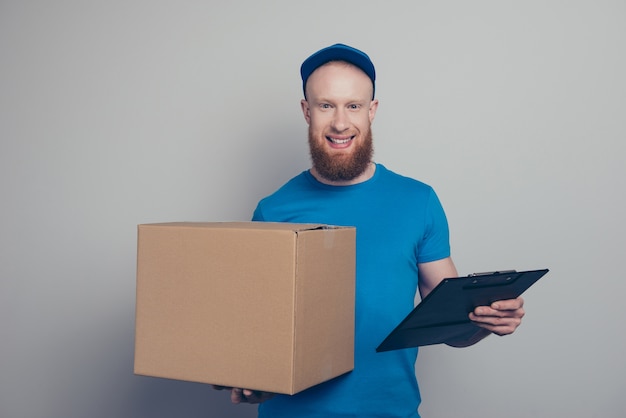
[(366, 175)]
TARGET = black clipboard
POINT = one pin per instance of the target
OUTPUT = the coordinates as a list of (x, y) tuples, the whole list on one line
[(443, 314)]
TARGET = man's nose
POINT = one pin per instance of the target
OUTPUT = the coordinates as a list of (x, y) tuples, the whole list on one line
[(340, 120)]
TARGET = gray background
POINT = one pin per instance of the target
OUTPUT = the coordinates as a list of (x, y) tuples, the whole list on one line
[(125, 112)]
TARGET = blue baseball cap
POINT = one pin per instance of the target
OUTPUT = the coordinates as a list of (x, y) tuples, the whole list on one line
[(338, 52)]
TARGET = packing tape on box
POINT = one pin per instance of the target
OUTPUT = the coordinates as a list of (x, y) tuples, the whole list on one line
[(329, 238)]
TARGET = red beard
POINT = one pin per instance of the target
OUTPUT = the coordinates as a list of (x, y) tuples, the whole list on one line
[(341, 167)]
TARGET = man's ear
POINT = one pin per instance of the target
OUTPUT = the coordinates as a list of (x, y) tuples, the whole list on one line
[(306, 111), (373, 108)]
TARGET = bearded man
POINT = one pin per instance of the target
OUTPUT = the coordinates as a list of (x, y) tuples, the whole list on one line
[(402, 244)]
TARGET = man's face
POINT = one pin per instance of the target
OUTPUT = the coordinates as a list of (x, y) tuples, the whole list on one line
[(339, 110)]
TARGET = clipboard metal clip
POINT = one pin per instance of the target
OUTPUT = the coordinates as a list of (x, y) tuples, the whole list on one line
[(491, 273)]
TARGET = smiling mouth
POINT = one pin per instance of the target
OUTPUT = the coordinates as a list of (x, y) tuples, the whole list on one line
[(339, 141)]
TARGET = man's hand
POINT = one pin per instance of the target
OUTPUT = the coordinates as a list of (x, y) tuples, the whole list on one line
[(502, 317), (239, 395)]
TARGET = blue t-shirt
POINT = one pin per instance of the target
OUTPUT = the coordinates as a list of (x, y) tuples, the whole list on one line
[(399, 223)]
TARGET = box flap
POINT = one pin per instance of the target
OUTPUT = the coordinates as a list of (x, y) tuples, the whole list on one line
[(252, 225)]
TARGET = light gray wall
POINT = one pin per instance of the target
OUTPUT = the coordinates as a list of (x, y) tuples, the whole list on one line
[(124, 112)]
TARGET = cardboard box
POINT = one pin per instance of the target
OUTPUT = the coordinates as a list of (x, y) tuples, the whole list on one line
[(263, 306)]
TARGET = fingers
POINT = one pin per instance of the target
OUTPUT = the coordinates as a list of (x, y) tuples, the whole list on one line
[(497, 325), (503, 309), (239, 395), (508, 304), (256, 396), (236, 395), (501, 318)]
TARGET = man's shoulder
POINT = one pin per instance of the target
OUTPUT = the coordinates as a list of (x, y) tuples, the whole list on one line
[(401, 180), (295, 183), (289, 200), (290, 190)]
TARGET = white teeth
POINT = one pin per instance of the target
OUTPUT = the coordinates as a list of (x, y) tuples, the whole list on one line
[(339, 141)]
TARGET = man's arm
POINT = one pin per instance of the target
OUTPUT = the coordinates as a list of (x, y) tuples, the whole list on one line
[(501, 318), (432, 273)]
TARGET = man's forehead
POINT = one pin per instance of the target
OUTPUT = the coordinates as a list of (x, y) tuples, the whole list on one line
[(328, 73)]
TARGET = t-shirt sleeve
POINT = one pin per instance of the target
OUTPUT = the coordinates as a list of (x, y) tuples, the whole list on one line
[(258, 214), (435, 244)]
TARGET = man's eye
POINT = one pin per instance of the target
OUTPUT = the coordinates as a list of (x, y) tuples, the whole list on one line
[(325, 106)]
